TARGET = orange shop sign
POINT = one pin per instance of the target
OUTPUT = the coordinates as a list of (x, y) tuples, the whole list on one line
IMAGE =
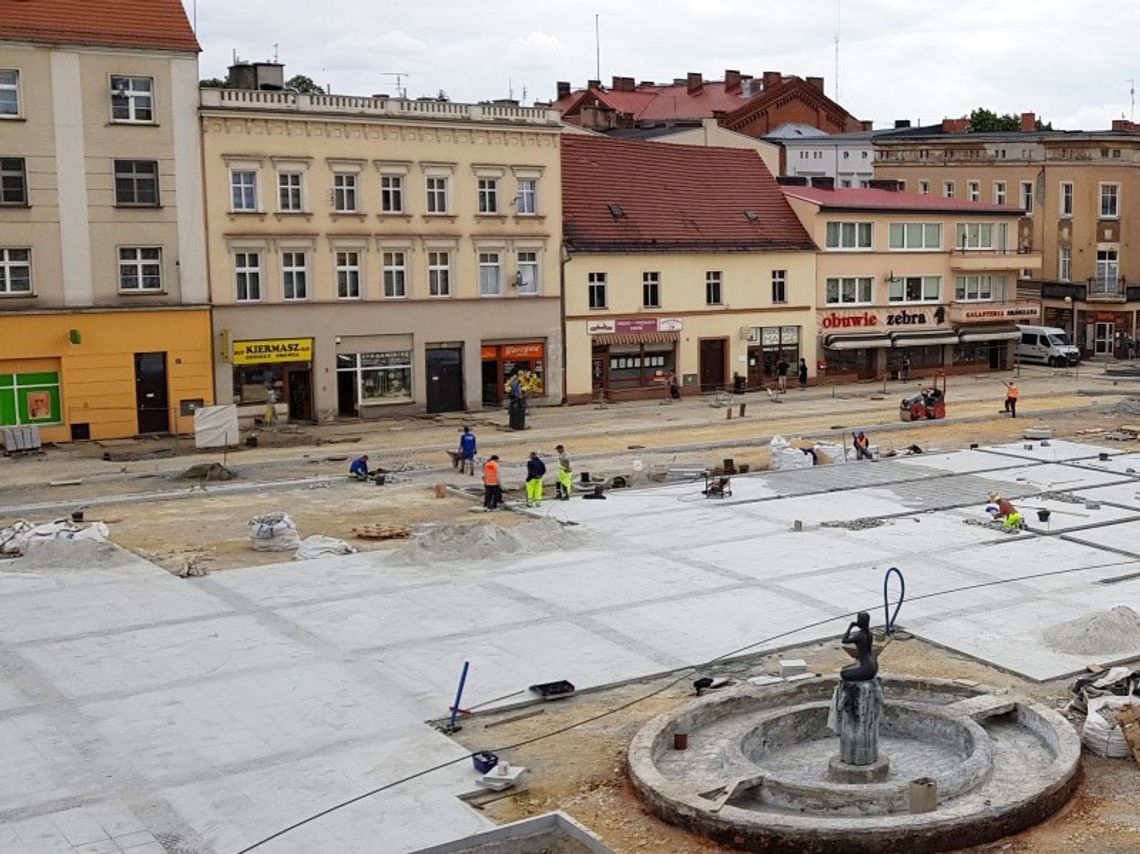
[(517, 352)]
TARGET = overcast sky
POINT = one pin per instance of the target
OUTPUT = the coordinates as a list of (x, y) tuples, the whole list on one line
[(1070, 62)]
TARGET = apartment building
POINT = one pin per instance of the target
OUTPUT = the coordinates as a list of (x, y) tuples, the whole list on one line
[(902, 276), (1080, 191), (104, 322), (679, 260), (374, 256)]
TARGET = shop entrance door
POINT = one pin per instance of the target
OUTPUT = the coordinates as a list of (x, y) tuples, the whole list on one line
[(299, 383), (598, 373), (492, 388), (346, 394), (711, 364), (150, 393), (1103, 336), (445, 379)]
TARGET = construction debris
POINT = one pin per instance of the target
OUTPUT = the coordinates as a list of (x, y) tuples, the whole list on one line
[(318, 545), (382, 532), (207, 472), (854, 524), (273, 532), (1098, 633), (21, 536)]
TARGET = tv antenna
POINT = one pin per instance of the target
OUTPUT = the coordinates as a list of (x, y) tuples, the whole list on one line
[(838, 12), (401, 90), (597, 48), (1132, 94)]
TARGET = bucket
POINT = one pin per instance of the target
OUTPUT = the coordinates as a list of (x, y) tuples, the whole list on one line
[(729, 465), (1103, 457), (744, 468), (379, 480), (484, 761), (1043, 515), (77, 516), (440, 490), (584, 477), (922, 795), (680, 741)]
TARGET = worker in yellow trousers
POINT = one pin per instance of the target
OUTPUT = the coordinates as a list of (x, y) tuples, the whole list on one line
[(535, 471), (565, 478)]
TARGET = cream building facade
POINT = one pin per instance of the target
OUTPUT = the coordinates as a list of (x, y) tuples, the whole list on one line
[(923, 279), (372, 255)]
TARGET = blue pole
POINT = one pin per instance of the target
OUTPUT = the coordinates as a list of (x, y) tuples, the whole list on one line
[(459, 693)]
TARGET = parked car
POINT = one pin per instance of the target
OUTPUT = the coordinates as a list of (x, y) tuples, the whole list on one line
[(1047, 345)]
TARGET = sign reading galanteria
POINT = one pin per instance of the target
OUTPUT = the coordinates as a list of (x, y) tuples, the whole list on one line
[(273, 350)]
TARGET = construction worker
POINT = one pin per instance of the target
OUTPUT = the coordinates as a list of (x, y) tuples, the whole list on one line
[(565, 478), (1011, 398), (467, 451), (492, 488), (862, 446), (1003, 509), (535, 471), (359, 468)]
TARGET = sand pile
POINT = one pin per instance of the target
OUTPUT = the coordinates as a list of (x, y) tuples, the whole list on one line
[(210, 472), (1115, 630), (485, 541), (75, 555)]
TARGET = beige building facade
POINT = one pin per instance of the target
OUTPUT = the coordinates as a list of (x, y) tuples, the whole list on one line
[(1080, 191), (372, 256), (912, 283)]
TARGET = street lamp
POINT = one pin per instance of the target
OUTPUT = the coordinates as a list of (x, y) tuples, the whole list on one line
[(1072, 307)]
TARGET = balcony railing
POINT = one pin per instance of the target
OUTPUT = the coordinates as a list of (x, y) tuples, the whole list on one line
[(994, 259), (1106, 289)]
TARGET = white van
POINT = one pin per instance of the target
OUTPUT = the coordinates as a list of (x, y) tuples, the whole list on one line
[(1047, 345)]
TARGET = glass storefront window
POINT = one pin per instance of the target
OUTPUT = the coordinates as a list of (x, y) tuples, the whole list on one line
[(380, 377), (635, 365), (257, 383)]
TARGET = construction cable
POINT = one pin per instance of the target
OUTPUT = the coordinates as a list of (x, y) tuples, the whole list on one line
[(888, 617), (684, 674)]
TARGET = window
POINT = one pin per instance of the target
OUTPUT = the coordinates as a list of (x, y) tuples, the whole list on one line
[(15, 271), (597, 289), (439, 274), (849, 291), (527, 202), (1027, 196), (140, 268), (392, 193), (974, 191), (247, 276), (1065, 264), (344, 193), (845, 183), (9, 92), (713, 295), (243, 190), (490, 274), (378, 377), (849, 235), (528, 272), (999, 192), (136, 183), (948, 189), (979, 288), (13, 181), (1109, 201), (295, 275), (924, 188), (1106, 266), (132, 99), (488, 195), (289, 191), (779, 286), (916, 235), (437, 195), (651, 290), (981, 235), (348, 275), (1066, 205), (30, 399), (914, 289), (395, 275)]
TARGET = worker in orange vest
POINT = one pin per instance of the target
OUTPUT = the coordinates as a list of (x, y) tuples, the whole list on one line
[(1011, 398), (492, 488)]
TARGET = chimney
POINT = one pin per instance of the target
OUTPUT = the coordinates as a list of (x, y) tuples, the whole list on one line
[(889, 184), (623, 84), (823, 182), (902, 123), (791, 180), (731, 80), (771, 78), (1028, 122), (647, 83), (815, 82), (956, 125), (1125, 126), (694, 82), (593, 84), (563, 89)]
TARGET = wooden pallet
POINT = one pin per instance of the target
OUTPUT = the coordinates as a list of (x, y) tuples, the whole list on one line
[(382, 532), (1128, 719)]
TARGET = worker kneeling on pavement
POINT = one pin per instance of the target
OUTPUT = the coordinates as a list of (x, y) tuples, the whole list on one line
[(1001, 509), (862, 446), (359, 468)]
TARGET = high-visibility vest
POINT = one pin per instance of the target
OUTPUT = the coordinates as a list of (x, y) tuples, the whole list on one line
[(1011, 392), (491, 473)]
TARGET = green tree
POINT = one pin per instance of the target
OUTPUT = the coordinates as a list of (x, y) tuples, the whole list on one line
[(987, 121), (212, 83), (304, 85)]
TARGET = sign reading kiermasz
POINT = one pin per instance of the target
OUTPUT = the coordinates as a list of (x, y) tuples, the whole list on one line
[(269, 350)]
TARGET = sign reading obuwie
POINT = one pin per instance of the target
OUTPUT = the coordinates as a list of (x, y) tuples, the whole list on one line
[(273, 350)]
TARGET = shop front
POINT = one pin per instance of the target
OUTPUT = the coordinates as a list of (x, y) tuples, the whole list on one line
[(767, 347), (863, 344), (503, 360), (273, 378), (633, 359), (988, 333), (1105, 334)]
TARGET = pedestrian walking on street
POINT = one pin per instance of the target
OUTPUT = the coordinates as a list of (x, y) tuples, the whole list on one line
[(904, 369), (492, 487), (565, 477), (535, 470), (1011, 398), (782, 374), (803, 373)]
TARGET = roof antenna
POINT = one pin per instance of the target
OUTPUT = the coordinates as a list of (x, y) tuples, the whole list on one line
[(838, 10), (597, 49), (1132, 93)]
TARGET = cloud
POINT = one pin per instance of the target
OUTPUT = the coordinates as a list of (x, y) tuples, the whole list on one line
[(535, 50)]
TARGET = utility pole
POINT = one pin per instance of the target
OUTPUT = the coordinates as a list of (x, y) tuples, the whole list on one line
[(597, 49), (1132, 94), (838, 13)]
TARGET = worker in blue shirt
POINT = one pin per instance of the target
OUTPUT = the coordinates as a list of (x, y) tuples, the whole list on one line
[(467, 451), (359, 468)]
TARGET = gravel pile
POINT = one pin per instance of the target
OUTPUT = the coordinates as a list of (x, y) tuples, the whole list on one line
[(854, 524), (1111, 631), (485, 541), (1062, 497)]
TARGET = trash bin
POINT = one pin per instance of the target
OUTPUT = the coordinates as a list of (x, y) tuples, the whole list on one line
[(739, 384), (517, 414)]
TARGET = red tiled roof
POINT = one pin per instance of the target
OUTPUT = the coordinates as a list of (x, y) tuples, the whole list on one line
[(662, 102), (160, 24), (870, 199), (671, 197)]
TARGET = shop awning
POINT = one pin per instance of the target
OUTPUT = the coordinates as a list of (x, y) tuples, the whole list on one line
[(855, 342), (637, 338), (970, 334), (924, 339)]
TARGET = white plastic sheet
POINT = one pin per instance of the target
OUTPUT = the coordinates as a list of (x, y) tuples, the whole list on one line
[(21, 535), (216, 426), (319, 545), (1100, 734)]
